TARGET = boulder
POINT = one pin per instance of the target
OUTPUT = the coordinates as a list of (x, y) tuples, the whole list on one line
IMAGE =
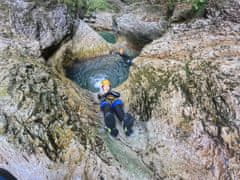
[(185, 87), (48, 125), (35, 28), (87, 43), (47, 24), (138, 30), (182, 11), (101, 21)]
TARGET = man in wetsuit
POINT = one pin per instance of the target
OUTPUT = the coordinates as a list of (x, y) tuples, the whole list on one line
[(111, 105), (126, 58)]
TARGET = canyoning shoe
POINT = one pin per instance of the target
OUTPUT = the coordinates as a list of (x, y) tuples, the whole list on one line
[(114, 132), (128, 120), (108, 130), (128, 131)]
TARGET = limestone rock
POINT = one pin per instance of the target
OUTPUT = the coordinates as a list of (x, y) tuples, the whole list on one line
[(48, 24), (35, 118), (35, 28), (87, 43), (51, 125), (182, 11), (3, 124), (78, 165), (185, 86), (101, 21), (139, 31), (227, 10)]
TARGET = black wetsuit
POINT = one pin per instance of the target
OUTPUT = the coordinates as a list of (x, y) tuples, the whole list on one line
[(127, 59), (110, 105)]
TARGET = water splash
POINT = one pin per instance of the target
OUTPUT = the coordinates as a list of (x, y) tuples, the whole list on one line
[(89, 74)]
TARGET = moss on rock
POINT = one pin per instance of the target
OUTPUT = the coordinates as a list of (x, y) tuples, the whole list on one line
[(197, 82)]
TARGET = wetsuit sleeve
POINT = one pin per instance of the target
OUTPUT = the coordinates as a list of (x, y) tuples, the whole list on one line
[(101, 97), (126, 57)]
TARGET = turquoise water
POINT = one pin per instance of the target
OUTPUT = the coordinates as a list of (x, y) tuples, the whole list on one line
[(128, 159), (90, 73), (109, 37)]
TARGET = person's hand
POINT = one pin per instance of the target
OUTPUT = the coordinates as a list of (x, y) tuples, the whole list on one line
[(99, 96)]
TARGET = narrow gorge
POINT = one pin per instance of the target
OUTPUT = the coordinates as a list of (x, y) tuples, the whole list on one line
[(178, 74)]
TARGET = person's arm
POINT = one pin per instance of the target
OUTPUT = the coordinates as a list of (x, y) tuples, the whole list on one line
[(101, 95), (115, 94), (126, 57)]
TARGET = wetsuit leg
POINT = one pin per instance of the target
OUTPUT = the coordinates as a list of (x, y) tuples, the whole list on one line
[(109, 118), (128, 124), (5, 175), (122, 116), (117, 107)]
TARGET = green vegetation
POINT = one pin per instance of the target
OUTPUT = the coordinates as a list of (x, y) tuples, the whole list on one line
[(87, 6), (93, 5), (197, 5)]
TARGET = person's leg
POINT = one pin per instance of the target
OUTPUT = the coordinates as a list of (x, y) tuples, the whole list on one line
[(122, 116), (109, 118), (128, 124), (117, 107)]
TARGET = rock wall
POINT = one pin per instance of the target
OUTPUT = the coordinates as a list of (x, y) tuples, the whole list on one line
[(185, 86), (35, 27), (47, 123), (87, 43), (227, 10)]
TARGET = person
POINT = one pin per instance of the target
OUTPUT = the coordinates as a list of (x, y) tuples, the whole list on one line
[(111, 105), (6, 175), (126, 58)]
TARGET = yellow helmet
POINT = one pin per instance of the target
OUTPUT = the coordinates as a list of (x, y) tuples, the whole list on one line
[(106, 83)]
